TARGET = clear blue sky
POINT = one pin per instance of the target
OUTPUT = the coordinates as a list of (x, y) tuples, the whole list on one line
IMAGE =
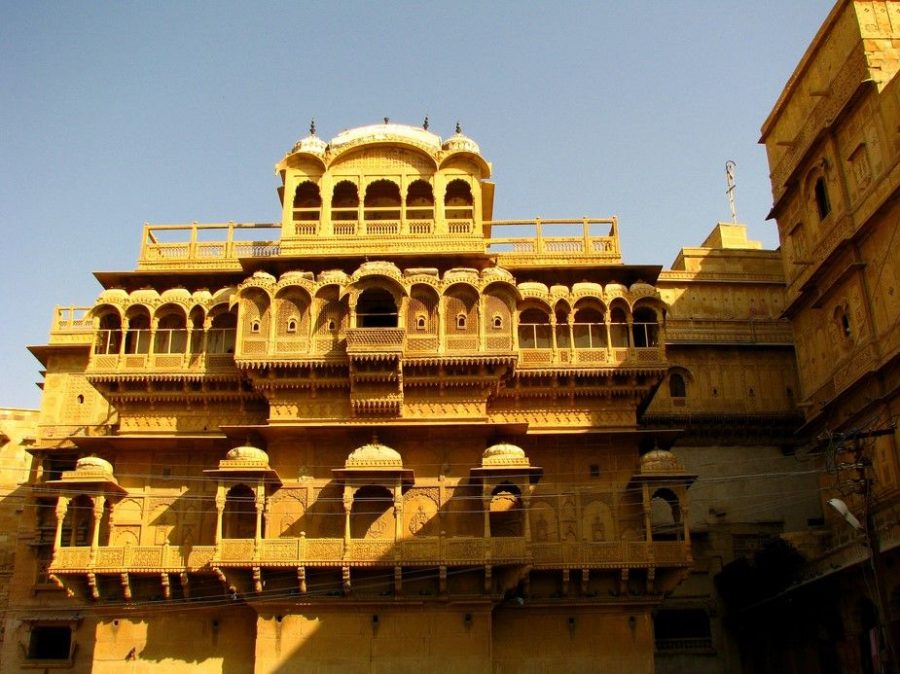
[(115, 114)]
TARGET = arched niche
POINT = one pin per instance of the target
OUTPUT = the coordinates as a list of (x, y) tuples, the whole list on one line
[(372, 513), (239, 516), (506, 513)]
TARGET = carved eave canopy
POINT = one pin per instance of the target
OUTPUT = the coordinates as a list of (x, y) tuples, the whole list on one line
[(92, 476), (505, 461), (373, 463), (661, 466), (246, 462)]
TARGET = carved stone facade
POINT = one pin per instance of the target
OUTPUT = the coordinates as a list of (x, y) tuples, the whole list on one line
[(390, 430), (833, 141)]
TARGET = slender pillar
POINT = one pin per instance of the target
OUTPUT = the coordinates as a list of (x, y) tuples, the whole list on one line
[(348, 507), (486, 506), (220, 511), (260, 503), (62, 506), (398, 512)]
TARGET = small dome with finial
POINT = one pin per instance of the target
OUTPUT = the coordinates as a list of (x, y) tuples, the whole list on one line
[(660, 461), (459, 142), (247, 453), (93, 464), (504, 454), (312, 144), (374, 455)]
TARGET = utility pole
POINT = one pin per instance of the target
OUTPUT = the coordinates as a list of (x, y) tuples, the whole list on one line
[(862, 464)]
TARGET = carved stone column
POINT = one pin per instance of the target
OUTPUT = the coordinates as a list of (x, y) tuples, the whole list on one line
[(220, 511), (348, 507), (486, 507), (99, 502), (398, 513), (260, 503), (62, 506)]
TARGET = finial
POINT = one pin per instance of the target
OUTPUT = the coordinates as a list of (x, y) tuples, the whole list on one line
[(374, 438), (425, 123), (312, 127), (729, 179), (387, 120), (458, 127)]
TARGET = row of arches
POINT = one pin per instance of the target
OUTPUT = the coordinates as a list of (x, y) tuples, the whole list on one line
[(372, 516), (170, 329), (383, 200)]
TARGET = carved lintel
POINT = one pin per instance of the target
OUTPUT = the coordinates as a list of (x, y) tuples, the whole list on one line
[(623, 582), (442, 579), (345, 579), (257, 579), (398, 579), (488, 576), (185, 584), (651, 579), (565, 582), (126, 586), (166, 585), (92, 585), (301, 578), (585, 580)]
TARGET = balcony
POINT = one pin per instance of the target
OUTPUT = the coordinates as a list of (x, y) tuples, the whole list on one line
[(208, 246), (162, 351), (425, 551), (576, 242), (361, 341)]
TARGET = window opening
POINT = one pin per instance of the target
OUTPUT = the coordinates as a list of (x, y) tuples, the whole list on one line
[(677, 388), (823, 204), (50, 642)]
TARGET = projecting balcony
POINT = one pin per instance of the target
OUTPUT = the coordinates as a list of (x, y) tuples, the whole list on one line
[(589, 345), (162, 351), (423, 551), (208, 246), (362, 341), (574, 242)]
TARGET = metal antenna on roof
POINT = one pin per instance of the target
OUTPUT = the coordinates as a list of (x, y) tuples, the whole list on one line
[(729, 178)]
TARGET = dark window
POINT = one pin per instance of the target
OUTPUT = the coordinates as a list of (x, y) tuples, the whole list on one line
[(677, 388), (50, 642), (823, 205), (682, 630)]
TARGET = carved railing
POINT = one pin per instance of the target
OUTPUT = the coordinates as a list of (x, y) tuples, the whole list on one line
[(182, 246), (576, 240), (375, 340), (742, 331), (71, 325), (443, 550), (109, 357)]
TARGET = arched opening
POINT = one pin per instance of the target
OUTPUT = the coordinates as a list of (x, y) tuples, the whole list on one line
[(458, 200), (239, 517), (506, 514), (645, 329), (345, 202), (171, 334), (109, 334), (78, 522), (372, 514), (534, 329), (461, 300), (823, 203), (677, 388), (618, 327), (563, 331), (137, 338), (382, 201), (307, 202), (419, 201), (221, 336), (255, 312), (376, 308), (293, 316), (589, 329), (196, 321), (422, 311), (665, 516)]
